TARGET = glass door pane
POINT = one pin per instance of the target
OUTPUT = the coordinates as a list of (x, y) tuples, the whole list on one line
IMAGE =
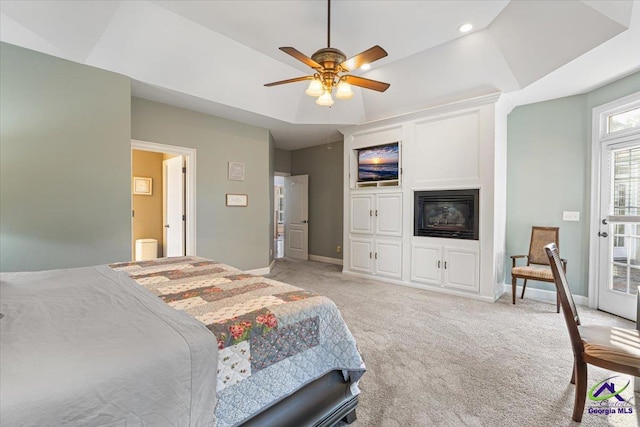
[(625, 200)]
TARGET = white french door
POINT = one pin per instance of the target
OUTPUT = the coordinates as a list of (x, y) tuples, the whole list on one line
[(620, 228), (616, 249)]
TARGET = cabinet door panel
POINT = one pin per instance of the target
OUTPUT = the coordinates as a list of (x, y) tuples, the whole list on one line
[(426, 264), (361, 214), (388, 214), (388, 258), (461, 269), (360, 255)]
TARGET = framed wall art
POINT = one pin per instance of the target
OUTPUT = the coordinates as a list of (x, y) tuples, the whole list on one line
[(240, 200), (142, 186), (236, 171)]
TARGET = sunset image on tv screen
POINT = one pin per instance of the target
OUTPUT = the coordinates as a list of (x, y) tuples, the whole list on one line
[(378, 163)]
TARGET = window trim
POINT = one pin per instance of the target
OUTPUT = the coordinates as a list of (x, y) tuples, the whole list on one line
[(627, 103)]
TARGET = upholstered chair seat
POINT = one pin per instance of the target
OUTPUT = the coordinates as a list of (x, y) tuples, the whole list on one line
[(534, 272), (617, 345)]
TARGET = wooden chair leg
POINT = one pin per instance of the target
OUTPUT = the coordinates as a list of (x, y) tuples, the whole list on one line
[(513, 289), (557, 303), (524, 286), (580, 373), (573, 373)]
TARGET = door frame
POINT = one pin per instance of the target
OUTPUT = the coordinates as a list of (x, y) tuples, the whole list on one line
[(598, 137), (190, 184)]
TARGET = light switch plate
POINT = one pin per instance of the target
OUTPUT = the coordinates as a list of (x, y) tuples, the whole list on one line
[(570, 216)]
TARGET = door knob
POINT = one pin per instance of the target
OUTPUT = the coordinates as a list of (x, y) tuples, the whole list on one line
[(304, 221), (603, 234)]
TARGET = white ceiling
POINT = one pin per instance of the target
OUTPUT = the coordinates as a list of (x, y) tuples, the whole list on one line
[(215, 56)]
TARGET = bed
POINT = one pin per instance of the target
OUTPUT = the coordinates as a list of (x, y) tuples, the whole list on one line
[(181, 341)]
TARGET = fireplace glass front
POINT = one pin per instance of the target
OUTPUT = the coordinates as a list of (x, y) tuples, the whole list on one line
[(447, 213)]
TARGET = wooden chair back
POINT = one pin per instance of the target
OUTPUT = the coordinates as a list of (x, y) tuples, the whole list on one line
[(540, 237), (566, 298)]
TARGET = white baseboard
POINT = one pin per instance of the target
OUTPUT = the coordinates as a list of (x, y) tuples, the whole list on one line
[(336, 261), (424, 287), (544, 295), (262, 271)]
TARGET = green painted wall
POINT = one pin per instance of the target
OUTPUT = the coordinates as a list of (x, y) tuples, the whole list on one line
[(549, 171), (282, 161), (65, 163), (239, 236), (323, 164)]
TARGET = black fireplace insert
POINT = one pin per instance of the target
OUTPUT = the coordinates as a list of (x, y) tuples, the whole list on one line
[(446, 213)]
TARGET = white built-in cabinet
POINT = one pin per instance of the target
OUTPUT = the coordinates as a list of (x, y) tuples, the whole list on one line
[(438, 262), (461, 145), (375, 242)]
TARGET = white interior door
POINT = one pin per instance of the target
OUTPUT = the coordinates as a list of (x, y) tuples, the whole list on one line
[(619, 254), (173, 211), (296, 213)]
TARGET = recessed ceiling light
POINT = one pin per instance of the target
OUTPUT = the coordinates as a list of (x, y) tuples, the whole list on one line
[(465, 28), (365, 67)]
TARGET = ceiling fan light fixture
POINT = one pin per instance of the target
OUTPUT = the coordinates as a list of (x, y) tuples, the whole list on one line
[(330, 65), (344, 91), (325, 99), (365, 67), (315, 88)]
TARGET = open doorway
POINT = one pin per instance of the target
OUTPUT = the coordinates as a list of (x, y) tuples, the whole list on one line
[(163, 200), (291, 216)]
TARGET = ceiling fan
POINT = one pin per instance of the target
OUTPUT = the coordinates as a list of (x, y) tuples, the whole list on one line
[(330, 66)]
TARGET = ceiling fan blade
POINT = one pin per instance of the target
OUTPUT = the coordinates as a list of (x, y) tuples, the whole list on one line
[(366, 83), (301, 57), (366, 57), (297, 79)]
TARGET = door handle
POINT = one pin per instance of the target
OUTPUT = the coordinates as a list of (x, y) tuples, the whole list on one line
[(166, 226), (603, 234), (304, 221)]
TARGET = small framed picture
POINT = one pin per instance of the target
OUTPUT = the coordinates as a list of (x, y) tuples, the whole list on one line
[(142, 186), (236, 171), (237, 200)]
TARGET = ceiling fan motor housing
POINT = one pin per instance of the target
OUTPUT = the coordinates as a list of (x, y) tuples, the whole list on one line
[(330, 59)]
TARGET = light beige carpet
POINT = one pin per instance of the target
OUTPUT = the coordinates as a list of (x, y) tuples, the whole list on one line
[(440, 360)]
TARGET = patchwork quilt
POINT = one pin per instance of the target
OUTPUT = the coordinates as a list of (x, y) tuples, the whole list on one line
[(273, 338)]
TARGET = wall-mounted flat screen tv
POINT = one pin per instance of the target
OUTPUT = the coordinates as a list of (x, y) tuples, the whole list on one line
[(379, 163)]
